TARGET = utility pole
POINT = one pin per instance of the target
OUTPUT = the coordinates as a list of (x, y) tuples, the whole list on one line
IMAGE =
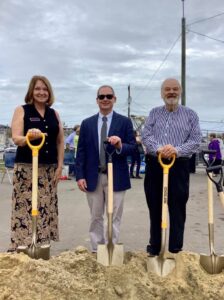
[(129, 101), (183, 60)]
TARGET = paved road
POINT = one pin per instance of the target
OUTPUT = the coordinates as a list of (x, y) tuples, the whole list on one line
[(74, 217)]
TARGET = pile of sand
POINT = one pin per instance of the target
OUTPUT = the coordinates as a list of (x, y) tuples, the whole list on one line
[(77, 275)]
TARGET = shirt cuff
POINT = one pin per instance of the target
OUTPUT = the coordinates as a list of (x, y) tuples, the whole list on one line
[(178, 151), (118, 151)]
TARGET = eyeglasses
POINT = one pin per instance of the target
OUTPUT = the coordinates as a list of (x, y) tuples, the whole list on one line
[(109, 97)]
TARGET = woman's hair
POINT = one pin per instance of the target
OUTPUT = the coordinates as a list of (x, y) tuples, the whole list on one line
[(33, 81), (213, 135)]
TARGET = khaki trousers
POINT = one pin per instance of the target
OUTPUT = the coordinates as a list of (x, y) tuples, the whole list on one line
[(97, 201)]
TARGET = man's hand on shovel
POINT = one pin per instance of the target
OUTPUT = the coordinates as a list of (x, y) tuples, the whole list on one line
[(167, 151)]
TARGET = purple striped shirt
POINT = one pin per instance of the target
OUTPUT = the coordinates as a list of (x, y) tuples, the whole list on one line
[(179, 128)]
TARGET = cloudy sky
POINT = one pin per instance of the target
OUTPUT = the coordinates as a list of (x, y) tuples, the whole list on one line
[(82, 44)]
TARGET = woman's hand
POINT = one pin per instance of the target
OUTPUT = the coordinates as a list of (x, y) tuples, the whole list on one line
[(34, 134), (57, 175)]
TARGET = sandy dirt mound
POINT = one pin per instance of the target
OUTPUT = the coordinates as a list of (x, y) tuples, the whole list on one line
[(77, 275)]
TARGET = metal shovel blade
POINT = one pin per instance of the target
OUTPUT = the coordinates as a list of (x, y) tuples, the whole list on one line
[(110, 257), (212, 264), (160, 265), (36, 252)]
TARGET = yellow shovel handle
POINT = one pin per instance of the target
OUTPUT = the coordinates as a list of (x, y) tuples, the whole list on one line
[(35, 148), (166, 167), (35, 151)]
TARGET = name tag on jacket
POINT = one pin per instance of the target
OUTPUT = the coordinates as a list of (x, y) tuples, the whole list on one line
[(34, 119)]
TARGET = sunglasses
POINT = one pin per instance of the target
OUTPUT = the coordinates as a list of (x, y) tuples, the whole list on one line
[(109, 97)]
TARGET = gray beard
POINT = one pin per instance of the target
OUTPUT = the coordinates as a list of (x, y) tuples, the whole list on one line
[(172, 101)]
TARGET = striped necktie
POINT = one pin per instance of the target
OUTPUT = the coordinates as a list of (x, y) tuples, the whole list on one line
[(103, 137)]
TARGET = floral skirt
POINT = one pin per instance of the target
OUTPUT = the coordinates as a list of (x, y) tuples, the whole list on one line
[(21, 220)]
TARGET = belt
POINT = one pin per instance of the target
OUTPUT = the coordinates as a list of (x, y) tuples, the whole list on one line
[(102, 170)]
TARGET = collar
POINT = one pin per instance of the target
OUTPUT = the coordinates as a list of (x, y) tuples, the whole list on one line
[(109, 116)]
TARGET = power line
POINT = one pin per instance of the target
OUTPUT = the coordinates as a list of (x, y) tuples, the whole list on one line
[(211, 121), (157, 70), (205, 19), (209, 37)]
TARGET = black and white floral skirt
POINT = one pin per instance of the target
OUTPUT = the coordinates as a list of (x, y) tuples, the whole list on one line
[(21, 220)]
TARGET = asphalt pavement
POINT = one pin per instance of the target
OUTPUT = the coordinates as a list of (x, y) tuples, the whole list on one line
[(74, 217)]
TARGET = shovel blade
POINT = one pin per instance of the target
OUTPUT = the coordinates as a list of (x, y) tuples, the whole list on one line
[(36, 252), (160, 265), (212, 264), (103, 256)]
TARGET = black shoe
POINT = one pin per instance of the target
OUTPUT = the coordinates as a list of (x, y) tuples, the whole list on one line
[(175, 251), (138, 177), (132, 176), (11, 251), (151, 252)]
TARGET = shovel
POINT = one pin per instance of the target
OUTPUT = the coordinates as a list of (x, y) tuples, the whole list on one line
[(35, 251), (162, 265), (110, 254), (218, 181), (210, 168), (212, 264)]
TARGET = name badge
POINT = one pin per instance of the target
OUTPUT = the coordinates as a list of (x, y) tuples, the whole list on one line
[(34, 119)]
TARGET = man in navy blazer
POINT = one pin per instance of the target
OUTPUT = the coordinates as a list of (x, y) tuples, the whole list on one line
[(91, 174)]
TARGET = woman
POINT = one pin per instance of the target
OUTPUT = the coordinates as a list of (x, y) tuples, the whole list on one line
[(35, 117), (215, 159)]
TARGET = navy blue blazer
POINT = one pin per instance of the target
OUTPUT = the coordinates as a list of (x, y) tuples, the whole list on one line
[(87, 158)]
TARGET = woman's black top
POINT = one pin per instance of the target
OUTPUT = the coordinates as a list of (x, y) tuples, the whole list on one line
[(48, 124)]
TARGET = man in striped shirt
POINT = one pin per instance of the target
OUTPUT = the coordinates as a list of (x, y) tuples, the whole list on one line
[(169, 129)]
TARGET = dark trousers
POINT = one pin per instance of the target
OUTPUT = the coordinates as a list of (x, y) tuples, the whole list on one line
[(135, 158), (178, 193), (193, 163)]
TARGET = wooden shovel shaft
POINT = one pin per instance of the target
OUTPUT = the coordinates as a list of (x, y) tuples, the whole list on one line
[(110, 203), (34, 185), (165, 201), (221, 197), (166, 168), (35, 151), (210, 202), (110, 188)]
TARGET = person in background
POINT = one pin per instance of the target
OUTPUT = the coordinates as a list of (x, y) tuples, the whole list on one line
[(216, 158), (136, 157), (69, 141), (76, 139), (221, 145), (171, 129), (91, 163), (34, 118), (69, 158)]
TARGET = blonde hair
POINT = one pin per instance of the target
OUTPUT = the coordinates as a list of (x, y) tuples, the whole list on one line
[(29, 95)]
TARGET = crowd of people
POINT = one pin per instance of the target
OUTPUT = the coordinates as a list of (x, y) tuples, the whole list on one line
[(170, 129)]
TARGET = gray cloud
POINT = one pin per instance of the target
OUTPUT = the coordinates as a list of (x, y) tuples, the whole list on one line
[(80, 45)]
